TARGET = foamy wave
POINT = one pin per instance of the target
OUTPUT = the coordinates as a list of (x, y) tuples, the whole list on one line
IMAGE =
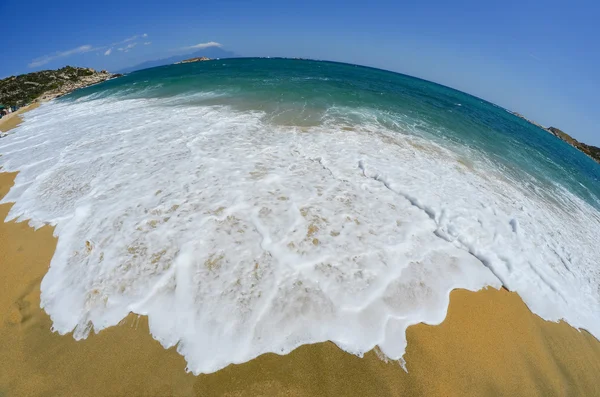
[(238, 237)]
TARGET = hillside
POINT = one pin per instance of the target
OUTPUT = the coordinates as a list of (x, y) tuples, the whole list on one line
[(592, 151), (23, 89)]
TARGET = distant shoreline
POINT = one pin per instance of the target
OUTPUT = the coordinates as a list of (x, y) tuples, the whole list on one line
[(591, 151)]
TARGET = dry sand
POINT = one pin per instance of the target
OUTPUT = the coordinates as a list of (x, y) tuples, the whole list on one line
[(14, 119), (489, 344)]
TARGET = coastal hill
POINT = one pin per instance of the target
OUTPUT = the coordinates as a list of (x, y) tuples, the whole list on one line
[(47, 84), (591, 151)]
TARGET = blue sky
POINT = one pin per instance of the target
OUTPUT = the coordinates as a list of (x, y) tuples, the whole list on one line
[(540, 58)]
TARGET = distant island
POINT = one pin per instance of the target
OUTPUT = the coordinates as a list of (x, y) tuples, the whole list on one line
[(196, 59), (212, 53), (18, 91), (591, 151)]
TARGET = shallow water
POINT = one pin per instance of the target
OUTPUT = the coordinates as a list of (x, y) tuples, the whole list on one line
[(252, 205)]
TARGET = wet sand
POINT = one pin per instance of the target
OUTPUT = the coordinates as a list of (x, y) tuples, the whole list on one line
[(489, 344), (14, 119)]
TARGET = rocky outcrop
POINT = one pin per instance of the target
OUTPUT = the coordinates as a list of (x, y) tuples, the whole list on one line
[(81, 82), (47, 84), (591, 151)]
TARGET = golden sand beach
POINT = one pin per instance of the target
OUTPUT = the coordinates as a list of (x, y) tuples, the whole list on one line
[(14, 119), (489, 344)]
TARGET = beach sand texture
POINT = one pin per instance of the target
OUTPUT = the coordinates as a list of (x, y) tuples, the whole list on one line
[(12, 120), (489, 344)]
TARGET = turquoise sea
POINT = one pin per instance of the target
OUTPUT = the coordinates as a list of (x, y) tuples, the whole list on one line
[(304, 92), (255, 205)]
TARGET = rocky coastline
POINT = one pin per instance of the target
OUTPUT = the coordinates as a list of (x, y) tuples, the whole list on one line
[(19, 91), (591, 151), (82, 82)]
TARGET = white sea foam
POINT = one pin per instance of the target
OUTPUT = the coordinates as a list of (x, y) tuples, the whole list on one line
[(239, 237)]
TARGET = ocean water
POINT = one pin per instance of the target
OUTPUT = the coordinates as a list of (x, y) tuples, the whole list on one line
[(255, 205)]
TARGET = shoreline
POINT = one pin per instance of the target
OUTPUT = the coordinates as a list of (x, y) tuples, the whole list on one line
[(14, 119), (489, 343)]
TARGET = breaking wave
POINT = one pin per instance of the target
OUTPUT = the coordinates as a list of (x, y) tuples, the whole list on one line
[(237, 235)]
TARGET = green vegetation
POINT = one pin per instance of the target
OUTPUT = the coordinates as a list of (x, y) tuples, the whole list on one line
[(20, 90)]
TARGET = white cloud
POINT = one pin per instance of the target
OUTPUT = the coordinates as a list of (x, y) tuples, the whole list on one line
[(202, 46), (128, 39), (87, 48), (127, 47), (60, 54), (132, 38)]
